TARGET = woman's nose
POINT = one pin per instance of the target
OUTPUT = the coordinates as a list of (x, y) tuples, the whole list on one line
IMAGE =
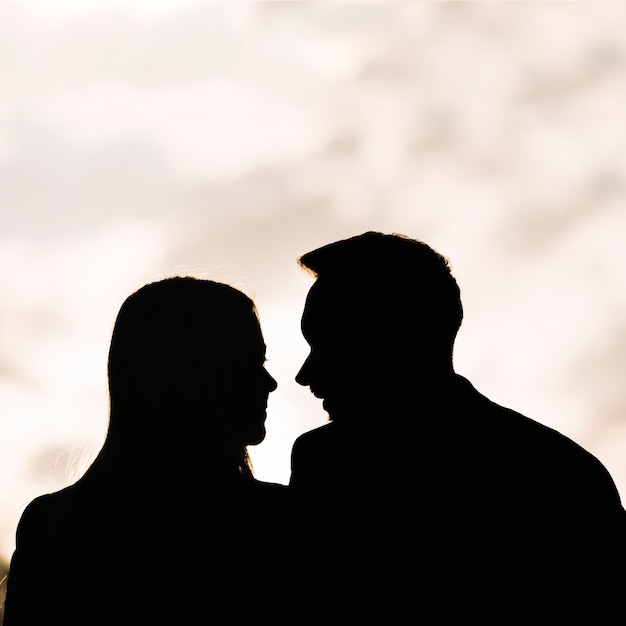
[(271, 382)]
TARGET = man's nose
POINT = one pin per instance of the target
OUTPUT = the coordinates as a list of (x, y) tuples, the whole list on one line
[(302, 377)]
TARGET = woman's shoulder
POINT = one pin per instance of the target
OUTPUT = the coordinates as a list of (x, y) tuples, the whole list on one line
[(259, 495), (270, 489), (42, 509)]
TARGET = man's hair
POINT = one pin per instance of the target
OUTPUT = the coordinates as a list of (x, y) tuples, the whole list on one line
[(394, 272)]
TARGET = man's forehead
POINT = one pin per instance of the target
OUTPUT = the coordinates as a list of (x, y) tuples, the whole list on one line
[(325, 293), (329, 300)]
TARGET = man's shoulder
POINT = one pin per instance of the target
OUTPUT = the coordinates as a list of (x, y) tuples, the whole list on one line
[(503, 420), (319, 433), (542, 448), (326, 436), (517, 428), (318, 456)]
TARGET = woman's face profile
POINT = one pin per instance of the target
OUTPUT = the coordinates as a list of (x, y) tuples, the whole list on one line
[(253, 389)]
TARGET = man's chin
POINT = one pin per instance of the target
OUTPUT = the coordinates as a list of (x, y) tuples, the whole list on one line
[(335, 412), (328, 407), (346, 412)]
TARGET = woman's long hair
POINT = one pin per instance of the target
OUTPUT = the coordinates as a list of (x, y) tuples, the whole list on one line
[(178, 349)]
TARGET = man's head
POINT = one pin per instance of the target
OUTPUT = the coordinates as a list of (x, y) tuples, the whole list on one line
[(381, 320)]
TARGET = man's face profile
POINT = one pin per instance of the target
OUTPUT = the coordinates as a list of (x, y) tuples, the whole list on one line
[(336, 368)]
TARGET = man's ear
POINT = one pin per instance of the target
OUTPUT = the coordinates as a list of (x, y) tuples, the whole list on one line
[(386, 334), (401, 340)]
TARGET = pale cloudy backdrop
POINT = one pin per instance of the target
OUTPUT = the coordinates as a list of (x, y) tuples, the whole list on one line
[(224, 139)]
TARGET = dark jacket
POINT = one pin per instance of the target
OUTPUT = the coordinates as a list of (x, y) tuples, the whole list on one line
[(476, 497), (127, 551)]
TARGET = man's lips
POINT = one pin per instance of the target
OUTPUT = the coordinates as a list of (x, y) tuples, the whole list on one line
[(320, 396)]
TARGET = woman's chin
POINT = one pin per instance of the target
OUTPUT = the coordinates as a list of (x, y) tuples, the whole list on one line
[(254, 439)]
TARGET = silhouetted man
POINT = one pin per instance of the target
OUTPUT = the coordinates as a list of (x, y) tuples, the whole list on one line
[(417, 476)]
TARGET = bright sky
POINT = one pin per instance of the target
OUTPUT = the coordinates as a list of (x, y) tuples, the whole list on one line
[(224, 139)]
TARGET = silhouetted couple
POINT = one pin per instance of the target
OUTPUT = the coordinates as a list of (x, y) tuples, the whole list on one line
[(419, 495)]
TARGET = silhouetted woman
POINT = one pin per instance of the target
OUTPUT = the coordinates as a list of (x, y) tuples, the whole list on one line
[(162, 524)]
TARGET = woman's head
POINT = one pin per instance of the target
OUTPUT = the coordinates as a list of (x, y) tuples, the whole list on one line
[(186, 369)]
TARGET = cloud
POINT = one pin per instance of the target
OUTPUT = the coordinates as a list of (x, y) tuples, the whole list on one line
[(215, 130)]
